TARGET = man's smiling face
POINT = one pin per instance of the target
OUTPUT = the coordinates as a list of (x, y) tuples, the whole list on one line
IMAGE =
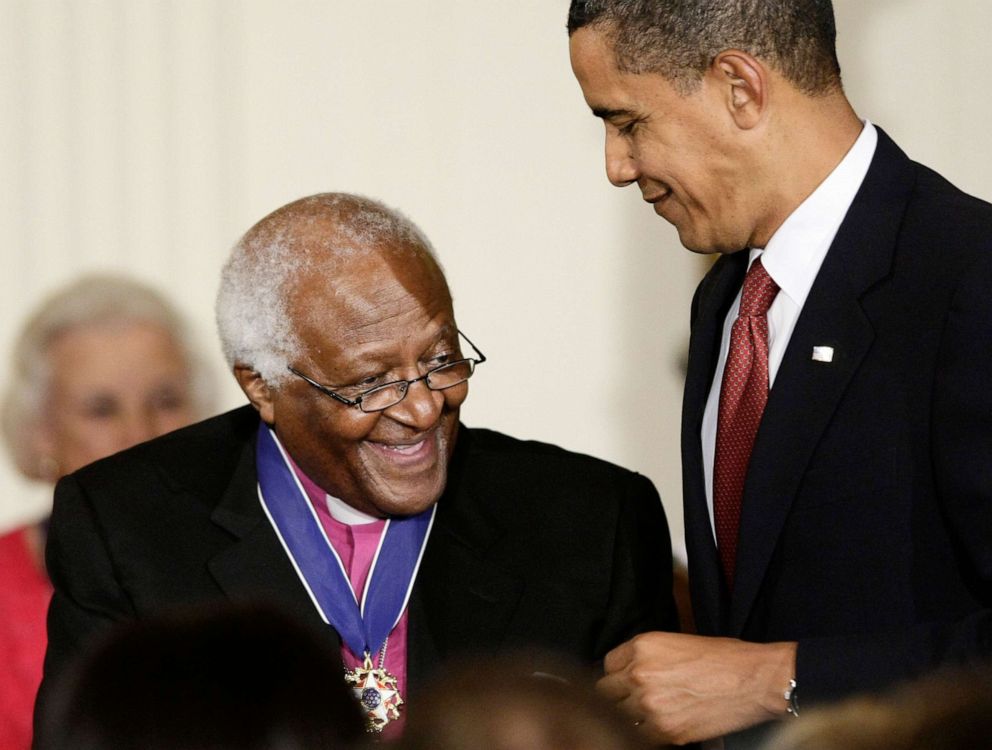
[(679, 148), (385, 316)]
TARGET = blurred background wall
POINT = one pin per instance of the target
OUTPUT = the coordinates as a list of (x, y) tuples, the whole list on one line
[(146, 135)]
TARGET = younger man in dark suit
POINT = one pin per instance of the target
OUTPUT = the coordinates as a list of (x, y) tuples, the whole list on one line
[(837, 421), (349, 493)]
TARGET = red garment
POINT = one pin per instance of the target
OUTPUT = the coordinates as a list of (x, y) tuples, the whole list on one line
[(743, 396), (24, 596)]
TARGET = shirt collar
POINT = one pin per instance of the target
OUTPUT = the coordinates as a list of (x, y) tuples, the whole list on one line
[(343, 513), (796, 251)]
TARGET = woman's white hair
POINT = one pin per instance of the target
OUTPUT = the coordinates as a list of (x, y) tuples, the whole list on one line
[(92, 300), (324, 233)]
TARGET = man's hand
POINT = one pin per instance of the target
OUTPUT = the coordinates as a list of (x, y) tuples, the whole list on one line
[(685, 688)]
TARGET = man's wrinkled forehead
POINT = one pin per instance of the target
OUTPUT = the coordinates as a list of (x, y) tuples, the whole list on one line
[(371, 319), (366, 288), (378, 278)]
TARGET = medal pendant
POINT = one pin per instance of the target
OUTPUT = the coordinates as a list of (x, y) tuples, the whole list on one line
[(377, 693)]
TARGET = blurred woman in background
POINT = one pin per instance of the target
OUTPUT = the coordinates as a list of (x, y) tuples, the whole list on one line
[(101, 365)]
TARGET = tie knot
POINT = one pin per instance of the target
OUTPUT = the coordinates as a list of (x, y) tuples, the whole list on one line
[(759, 291)]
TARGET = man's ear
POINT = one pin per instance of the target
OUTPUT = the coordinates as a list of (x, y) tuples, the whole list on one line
[(745, 82), (258, 392)]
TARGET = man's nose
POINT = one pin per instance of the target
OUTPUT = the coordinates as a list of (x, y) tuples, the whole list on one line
[(621, 168), (420, 409)]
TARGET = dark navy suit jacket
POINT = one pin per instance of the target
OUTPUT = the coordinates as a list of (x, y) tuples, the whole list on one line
[(866, 528)]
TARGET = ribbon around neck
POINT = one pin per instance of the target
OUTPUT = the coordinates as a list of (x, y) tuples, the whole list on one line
[(363, 627)]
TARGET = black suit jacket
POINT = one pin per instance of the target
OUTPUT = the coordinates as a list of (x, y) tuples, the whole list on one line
[(866, 528), (532, 547)]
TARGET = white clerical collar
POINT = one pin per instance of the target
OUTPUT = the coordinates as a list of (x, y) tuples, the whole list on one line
[(796, 251), (343, 513)]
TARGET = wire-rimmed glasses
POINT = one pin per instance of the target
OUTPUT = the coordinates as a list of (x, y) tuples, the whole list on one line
[(389, 394)]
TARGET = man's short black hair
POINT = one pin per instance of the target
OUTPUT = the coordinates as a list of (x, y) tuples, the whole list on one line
[(680, 38)]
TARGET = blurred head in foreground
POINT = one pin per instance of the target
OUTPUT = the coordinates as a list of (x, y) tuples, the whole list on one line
[(244, 677), (503, 704), (102, 364)]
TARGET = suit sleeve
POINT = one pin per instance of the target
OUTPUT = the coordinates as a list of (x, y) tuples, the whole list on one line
[(961, 437), (87, 596), (641, 593)]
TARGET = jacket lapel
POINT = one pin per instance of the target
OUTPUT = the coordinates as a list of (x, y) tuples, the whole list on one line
[(254, 565), (806, 393), (713, 299), (461, 601)]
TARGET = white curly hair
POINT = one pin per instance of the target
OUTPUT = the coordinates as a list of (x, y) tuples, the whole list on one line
[(322, 232)]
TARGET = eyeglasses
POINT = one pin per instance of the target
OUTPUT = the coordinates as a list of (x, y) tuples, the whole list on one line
[(389, 394)]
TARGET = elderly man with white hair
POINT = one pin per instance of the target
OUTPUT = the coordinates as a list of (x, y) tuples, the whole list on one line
[(348, 492)]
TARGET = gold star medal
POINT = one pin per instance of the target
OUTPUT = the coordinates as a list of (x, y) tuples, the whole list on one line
[(377, 693)]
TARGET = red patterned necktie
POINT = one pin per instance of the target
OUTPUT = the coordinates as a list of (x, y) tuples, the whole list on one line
[(743, 395)]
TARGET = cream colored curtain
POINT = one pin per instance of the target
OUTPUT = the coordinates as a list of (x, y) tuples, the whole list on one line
[(146, 135)]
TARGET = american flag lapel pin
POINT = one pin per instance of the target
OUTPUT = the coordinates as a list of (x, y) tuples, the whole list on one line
[(823, 354)]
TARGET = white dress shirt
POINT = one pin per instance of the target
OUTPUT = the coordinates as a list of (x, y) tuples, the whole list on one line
[(792, 258)]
